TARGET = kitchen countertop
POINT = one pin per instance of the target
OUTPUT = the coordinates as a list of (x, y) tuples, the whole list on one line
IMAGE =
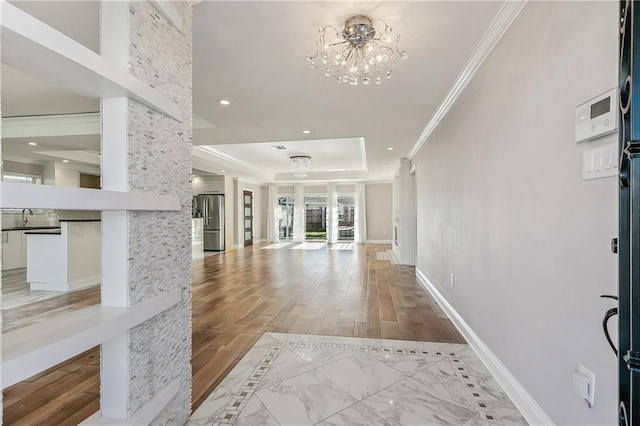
[(30, 228), (55, 231)]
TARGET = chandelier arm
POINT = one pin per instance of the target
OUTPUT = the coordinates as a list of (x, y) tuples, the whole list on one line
[(324, 29), (309, 57), (383, 21), (349, 55), (402, 53), (345, 48), (338, 43)]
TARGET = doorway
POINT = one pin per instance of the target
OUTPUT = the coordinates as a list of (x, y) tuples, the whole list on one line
[(285, 217), (315, 208), (346, 217), (248, 217)]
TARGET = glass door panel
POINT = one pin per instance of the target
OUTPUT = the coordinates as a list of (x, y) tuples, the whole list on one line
[(346, 216), (285, 217), (315, 208)]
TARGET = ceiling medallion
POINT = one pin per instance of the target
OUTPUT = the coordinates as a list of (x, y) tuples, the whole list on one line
[(360, 53), (300, 165)]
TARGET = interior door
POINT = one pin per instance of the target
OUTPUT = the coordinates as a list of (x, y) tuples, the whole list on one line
[(248, 217), (628, 243)]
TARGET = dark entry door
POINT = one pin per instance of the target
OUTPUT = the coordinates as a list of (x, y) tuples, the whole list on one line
[(628, 243), (248, 217)]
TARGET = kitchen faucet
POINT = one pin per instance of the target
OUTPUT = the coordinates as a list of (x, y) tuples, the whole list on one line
[(25, 219)]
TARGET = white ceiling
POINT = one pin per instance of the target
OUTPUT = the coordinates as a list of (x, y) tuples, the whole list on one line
[(343, 159), (254, 54)]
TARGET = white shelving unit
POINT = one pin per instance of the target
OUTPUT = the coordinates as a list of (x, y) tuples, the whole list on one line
[(34, 47), (29, 350), (40, 50), (24, 195)]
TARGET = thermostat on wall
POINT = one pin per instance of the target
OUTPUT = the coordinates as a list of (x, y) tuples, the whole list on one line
[(597, 117)]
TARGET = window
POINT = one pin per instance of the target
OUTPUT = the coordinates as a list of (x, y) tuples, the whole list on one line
[(346, 216), (21, 178), (285, 217), (315, 208)]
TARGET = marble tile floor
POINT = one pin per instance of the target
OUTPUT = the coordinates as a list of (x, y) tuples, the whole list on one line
[(16, 291), (292, 379)]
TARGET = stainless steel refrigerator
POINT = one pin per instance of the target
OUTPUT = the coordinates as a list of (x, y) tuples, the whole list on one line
[(211, 209)]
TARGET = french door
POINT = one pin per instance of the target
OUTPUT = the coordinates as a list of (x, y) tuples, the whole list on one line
[(248, 217)]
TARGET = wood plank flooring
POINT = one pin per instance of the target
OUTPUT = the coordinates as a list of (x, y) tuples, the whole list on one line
[(238, 296)]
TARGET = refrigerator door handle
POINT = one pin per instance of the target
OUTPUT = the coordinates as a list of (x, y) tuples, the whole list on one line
[(206, 211)]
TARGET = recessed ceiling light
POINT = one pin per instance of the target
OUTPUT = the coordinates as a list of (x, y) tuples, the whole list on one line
[(65, 161), (389, 149), (33, 144), (224, 102), (221, 171), (383, 175), (386, 165), (306, 132)]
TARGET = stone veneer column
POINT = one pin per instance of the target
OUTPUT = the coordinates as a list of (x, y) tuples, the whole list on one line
[(1, 396), (157, 250)]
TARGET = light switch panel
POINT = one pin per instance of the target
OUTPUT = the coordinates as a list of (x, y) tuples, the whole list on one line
[(600, 162)]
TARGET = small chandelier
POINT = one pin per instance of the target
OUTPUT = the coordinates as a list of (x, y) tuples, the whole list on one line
[(300, 165), (359, 53)]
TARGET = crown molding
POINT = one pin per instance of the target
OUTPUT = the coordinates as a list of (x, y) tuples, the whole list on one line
[(506, 15), (211, 154)]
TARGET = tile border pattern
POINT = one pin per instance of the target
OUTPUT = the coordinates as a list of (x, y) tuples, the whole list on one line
[(233, 409)]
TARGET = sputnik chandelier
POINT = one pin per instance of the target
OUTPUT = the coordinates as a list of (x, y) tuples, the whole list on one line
[(300, 165), (360, 53)]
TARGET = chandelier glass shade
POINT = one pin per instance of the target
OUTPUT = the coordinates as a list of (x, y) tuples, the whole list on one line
[(300, 165), (360, 53)]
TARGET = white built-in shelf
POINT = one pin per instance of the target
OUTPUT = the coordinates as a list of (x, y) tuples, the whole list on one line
[(25, 195), (30, 350), (40, 50)]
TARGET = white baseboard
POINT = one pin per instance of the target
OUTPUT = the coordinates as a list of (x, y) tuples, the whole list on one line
[(261, 240), (72, 286), (378, 242), (529, 408), (395, 257)]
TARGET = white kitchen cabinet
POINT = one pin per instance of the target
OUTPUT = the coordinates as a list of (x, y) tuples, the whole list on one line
[(13, 255), (24, 250), (65, 260)]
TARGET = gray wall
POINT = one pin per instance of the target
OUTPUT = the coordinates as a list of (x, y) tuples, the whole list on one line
[(24, 168), (503, 206), (208, 185), (378, 197)]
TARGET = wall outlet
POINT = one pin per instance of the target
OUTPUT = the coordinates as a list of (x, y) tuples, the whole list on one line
[(584, 382), (453, 280)]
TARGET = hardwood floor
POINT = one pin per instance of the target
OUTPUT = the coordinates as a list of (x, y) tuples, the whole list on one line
[(239, 295)]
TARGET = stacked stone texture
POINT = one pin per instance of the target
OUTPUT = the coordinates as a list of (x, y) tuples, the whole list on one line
[(159, 161)]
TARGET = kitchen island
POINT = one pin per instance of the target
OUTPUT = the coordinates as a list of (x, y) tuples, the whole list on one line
[(66, 259)]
